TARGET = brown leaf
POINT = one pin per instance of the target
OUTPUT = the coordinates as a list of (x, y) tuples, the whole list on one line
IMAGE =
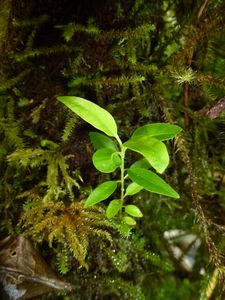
[(23, 272)]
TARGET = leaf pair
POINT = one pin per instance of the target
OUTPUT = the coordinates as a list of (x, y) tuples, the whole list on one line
[(141, 178), (147, 141), (115, 206), (106, 159)]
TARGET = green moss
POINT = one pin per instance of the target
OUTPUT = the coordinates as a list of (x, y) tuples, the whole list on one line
[(135, 59)]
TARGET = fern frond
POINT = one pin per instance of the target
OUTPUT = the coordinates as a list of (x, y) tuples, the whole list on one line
[(46, 51), (10, 127), (27, 157), (36, 112), (130, 33), (69, 181), (63, 260), (101, 233), (78, 243), (70, 29), (211, 80), (32, 195), (31, 22), (70, 123), (10, 83), (213, 281), (181, 143), (5, 12), (157, 261), (56, 166), (52, 171), (110, 81)]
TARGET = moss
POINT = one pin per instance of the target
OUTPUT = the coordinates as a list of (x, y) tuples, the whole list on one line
[(144, 62)]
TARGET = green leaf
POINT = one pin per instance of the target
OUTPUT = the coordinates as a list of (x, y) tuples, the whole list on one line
[(130, 221), (133, 211), (124, 229), (161, 131), (152, 149), (91, 113), (151, 182), (102, 141), (106, 160), (133, 189), (113, 208), (141, 163), (102, 192)]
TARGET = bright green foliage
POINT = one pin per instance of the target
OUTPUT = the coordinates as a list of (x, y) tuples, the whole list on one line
[(141, 163), (151, 182), (100, 141), (129, 221), (92, 113), (152, 149), (160, 131), (113, 208), (133, 211), (106, 159), (100, 193), (132, 189)]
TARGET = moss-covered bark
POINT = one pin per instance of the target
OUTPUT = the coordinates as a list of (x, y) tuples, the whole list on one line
[(144, 62)]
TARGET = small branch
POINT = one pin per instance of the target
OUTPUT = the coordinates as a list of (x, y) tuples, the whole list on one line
[(214, 111), (186, 98), (189, 63), (54, 283), (202, 8)]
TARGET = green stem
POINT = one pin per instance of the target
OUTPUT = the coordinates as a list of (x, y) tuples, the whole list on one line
[(122, 170), (122, 174)]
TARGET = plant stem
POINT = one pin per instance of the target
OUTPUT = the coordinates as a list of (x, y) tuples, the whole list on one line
[(122, 154), (122, 174)]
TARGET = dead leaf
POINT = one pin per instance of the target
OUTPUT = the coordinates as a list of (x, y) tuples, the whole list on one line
[(24, 274)]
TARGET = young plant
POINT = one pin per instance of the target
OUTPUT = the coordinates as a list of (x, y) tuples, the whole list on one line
[(110, 155)]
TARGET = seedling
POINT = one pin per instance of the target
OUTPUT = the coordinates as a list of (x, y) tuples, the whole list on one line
[(111, 153)]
